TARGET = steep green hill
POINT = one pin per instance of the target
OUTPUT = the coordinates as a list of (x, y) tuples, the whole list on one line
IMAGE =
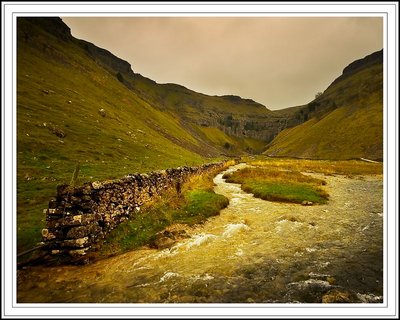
[(71, 109), (77, 103), (345, 122)]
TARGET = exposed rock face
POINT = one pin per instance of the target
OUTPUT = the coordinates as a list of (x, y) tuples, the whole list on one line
[(80, 217), (107, 59), (53, 24), (355, 66), (376, 57), (261, 129)]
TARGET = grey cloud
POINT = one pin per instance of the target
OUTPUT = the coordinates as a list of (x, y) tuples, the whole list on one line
[(277, 61)]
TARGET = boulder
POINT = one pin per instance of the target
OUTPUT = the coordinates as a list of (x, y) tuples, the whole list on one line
[(337, 296)]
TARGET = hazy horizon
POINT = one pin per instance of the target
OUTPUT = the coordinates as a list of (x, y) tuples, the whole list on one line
[(279, 62)]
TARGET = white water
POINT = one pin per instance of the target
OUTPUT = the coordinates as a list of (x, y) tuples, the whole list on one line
[(254, 251)]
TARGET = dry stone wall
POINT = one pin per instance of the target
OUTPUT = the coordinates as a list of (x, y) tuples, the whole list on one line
[(78, 218)]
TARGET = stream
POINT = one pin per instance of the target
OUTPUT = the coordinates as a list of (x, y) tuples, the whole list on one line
[(255, 251)]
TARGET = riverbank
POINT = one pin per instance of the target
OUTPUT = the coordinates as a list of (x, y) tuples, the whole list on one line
[(255, 251)]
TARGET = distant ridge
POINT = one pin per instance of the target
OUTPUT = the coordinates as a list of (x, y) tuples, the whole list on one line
[(355, 66), (345, 122)]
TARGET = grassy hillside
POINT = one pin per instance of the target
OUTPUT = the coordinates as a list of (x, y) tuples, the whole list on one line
[(70, 109), (77, 103), (345, 122)]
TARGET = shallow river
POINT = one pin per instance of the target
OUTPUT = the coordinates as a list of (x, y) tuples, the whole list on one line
[(254, 251)]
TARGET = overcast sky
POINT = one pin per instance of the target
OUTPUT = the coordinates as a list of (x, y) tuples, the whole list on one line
[(277, 61)]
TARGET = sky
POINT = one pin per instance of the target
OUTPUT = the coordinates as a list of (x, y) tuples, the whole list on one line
[(277, 61)]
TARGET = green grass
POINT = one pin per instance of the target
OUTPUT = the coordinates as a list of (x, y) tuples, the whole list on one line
[(353, 130), (136, 232), (193, 209), (284, 192), (194, 205), (231, 144), (200, 205), (58, 85), (279, 185), (147, 127)]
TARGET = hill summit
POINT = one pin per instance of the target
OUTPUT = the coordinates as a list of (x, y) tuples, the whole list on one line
[(344, 122)]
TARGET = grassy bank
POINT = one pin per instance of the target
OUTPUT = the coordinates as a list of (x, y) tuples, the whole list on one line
[(280, 179), (75, 104), (193, 205), (329, 167), (36, 187), (275, 184)]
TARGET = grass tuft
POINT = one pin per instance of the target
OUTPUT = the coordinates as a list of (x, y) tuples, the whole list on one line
[(200, 205), (279, 185), (289, 192)]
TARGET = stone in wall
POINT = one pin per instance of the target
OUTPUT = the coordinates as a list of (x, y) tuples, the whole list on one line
[(80, 217)]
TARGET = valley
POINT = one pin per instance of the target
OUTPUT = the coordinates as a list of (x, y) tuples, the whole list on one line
[(297, 217), (272, 252)]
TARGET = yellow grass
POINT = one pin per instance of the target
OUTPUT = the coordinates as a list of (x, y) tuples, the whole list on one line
[(328, 167)]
